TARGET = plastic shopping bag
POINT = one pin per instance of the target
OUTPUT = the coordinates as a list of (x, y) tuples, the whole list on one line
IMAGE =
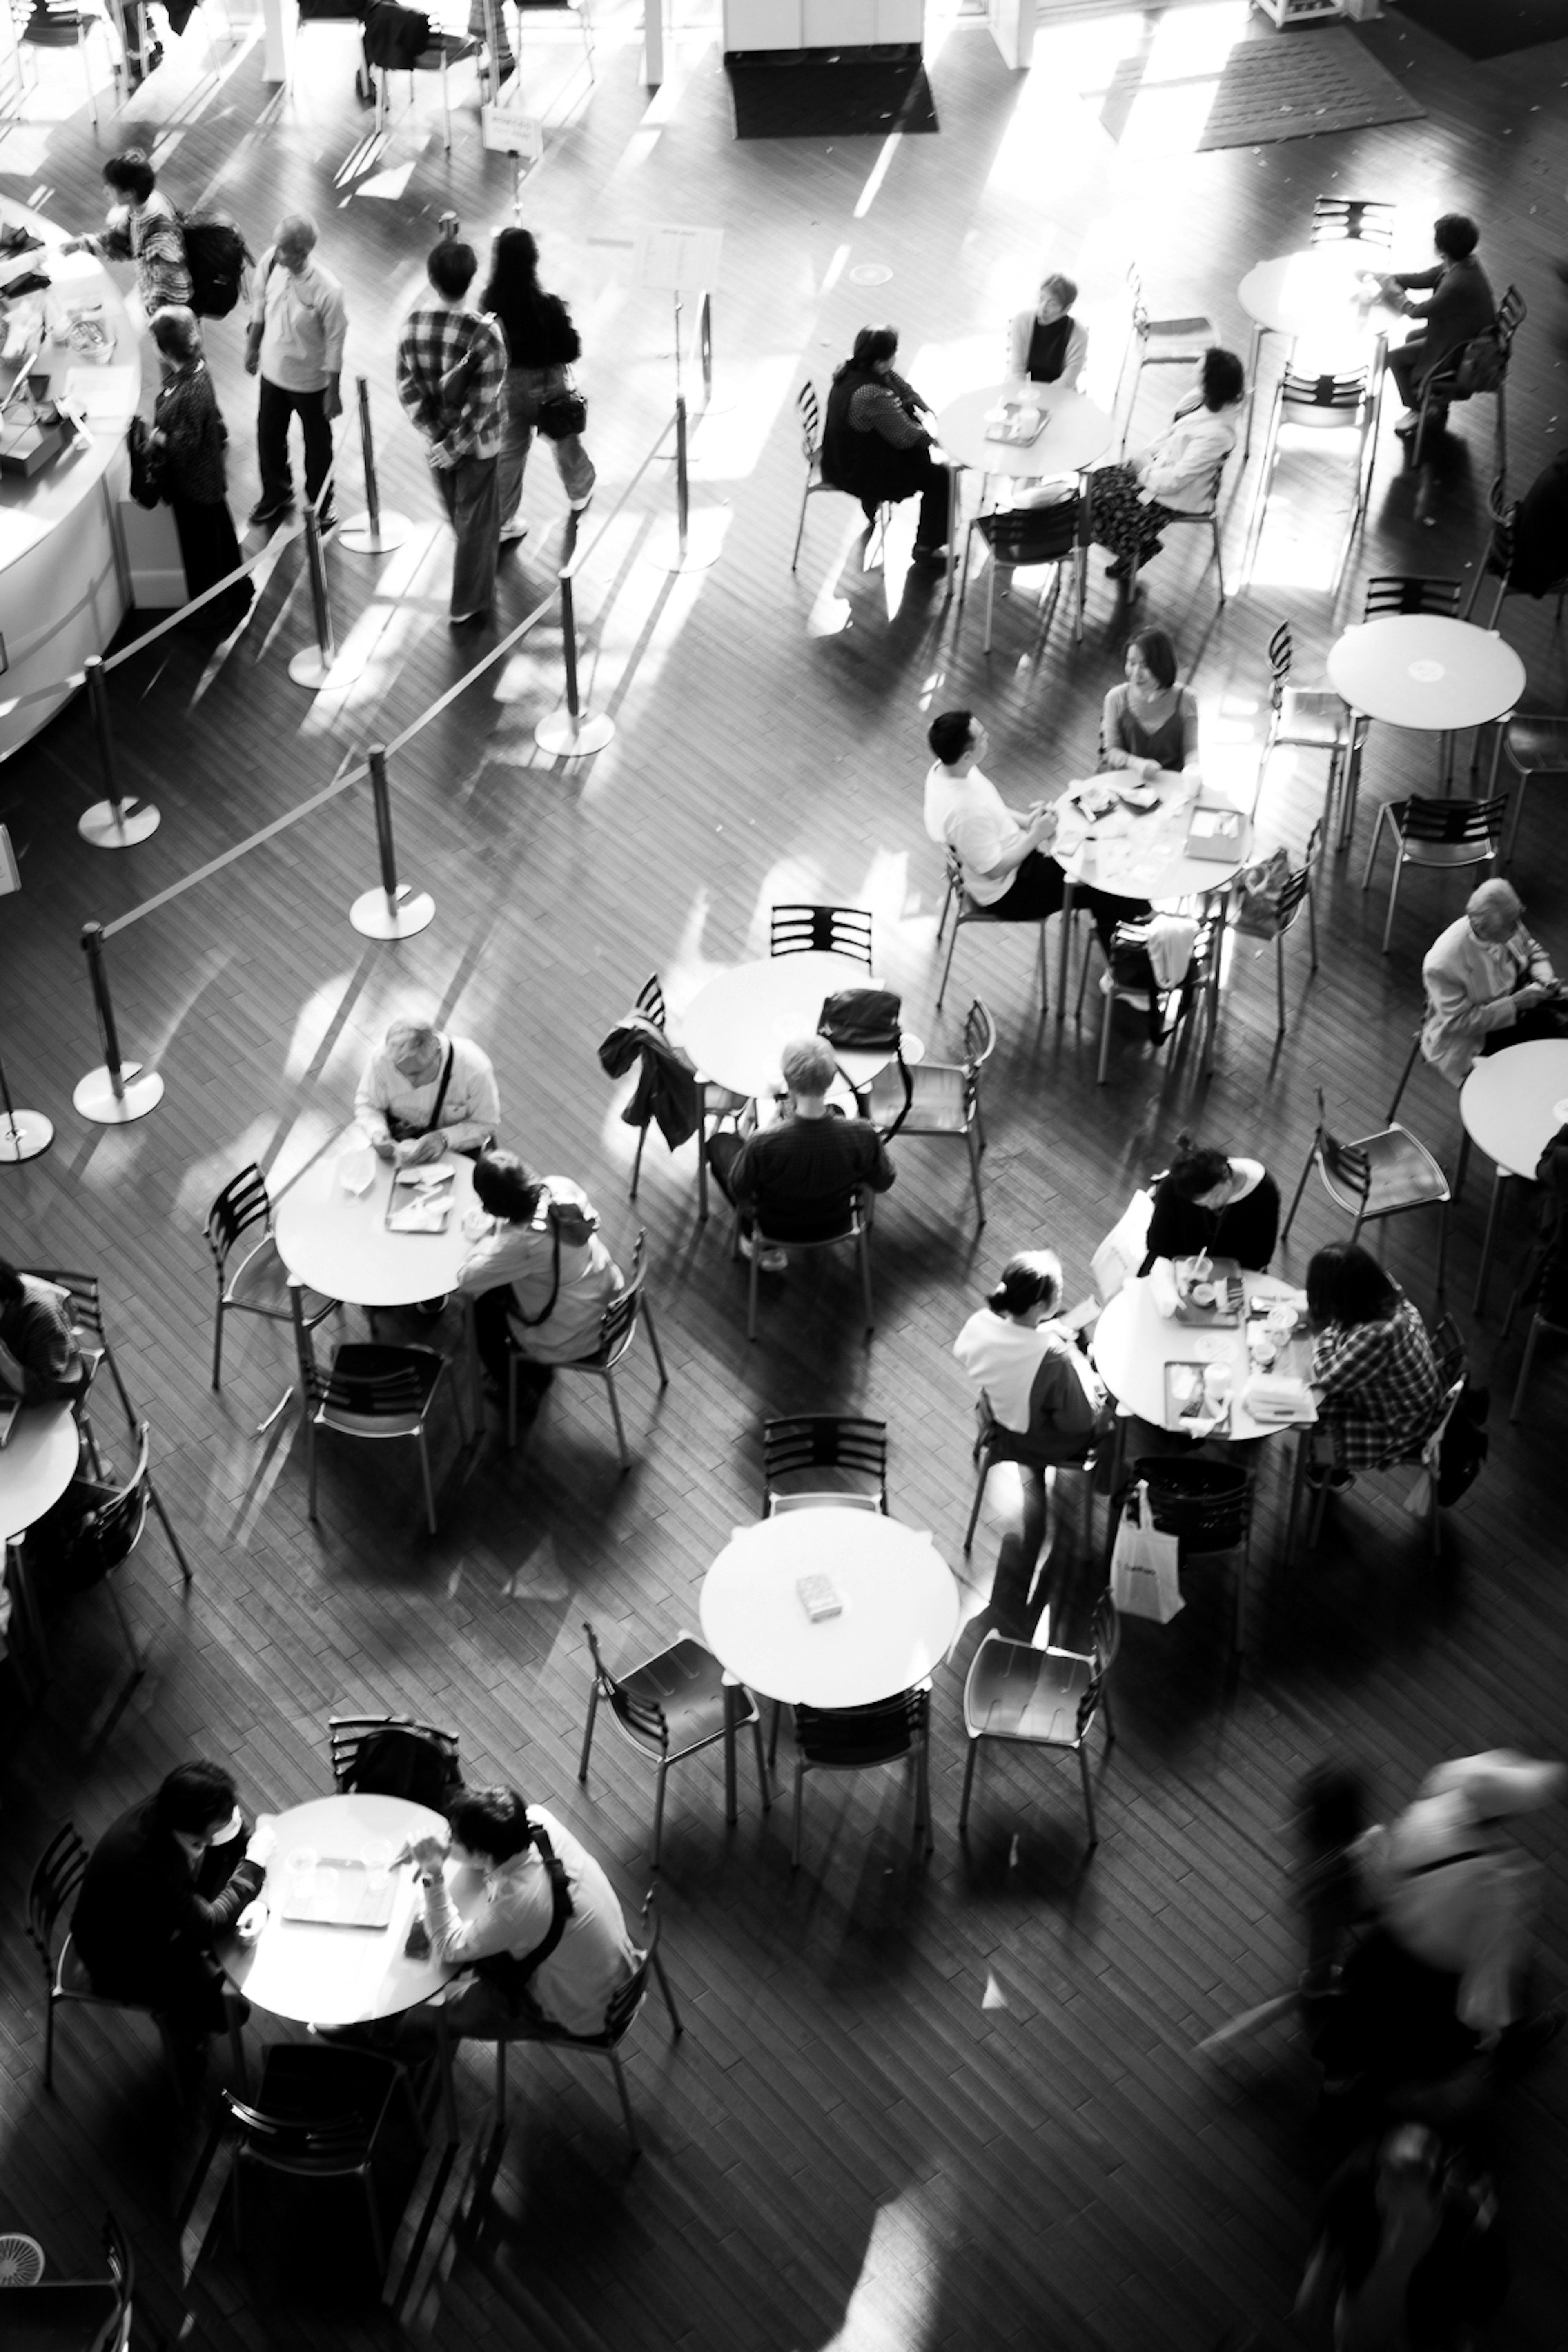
[(1144, 1564)]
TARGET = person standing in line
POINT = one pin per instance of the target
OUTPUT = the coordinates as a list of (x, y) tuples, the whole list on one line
[(295, 346), (143, 228), (542, 343), (451, 379), (190, 434)]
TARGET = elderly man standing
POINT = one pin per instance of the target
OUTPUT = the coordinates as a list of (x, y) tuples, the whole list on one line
[(425, 1094), (296, 345), (1489, 984), (451, 379)]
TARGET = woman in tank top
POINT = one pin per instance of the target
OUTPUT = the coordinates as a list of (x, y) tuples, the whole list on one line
[(1150, 724)]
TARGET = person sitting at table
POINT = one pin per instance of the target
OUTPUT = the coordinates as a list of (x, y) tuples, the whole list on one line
[(798, 1179), (163, 1885), (1207, 1204), (539, 1924), (1030, 1371), (1002, 850), (40, 1363), (538, 1276), (1131, 503), (1046, 344), (1379, 1393), (1489, 984), (1150, 722), (875, 447), (1462, 306), (424, 1095)]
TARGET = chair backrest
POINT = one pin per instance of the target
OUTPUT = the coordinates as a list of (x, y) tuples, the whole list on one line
[(1452, 821), (1339, 394), (84, 1297), (1449, 1351), (810, 415), (624, 2004), (395, 1756), (1211, 501), (1510, 315), (1357, 220), (316, 2147), (979, 1039), (649, 1002), (1297, 885), (824, 1440), (244, 1200), (389, 1396), (618, 1323), (1282, 655), (1205, 1505), (1403, 591), (844, 1739), (57, 1875), (643, 1716), (1024, 535), (110, 1533), (121, 2264), (1340, 1162), (828, 930)]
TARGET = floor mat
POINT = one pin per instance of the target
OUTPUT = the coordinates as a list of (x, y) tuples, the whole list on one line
[(1489, 28), (853, 99), (1301, 83)]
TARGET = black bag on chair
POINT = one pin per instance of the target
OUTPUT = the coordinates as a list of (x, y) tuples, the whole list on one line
[(865, 1021)]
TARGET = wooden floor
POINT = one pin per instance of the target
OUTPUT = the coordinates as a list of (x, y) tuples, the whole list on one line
[(914, 2107)]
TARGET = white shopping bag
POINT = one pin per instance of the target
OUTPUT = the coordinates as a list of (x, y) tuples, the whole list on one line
[(1144, 1565)]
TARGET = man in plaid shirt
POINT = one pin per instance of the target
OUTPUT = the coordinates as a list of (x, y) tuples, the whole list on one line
[(451, 373)]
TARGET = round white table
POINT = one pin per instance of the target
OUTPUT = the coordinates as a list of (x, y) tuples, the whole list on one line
[(338, 1243), (1139, 857), (1318, 293), (1133, 1343), (1512, 1104), (1076, 432), (37, 1463), (898, 1621), (740, 1022), (1424, 671)]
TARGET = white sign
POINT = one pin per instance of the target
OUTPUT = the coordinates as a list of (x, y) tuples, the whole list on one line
[(678, 260)]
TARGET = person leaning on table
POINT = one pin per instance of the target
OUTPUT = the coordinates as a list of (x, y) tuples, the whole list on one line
[(1489, 984), (538, 1276), (1046, 344), (1461, 307), (1209, 1204), (1375, 1380), (424, 1094)]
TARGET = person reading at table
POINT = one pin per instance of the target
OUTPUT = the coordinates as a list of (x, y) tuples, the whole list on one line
[(539, 1274), (1029, 1370), (40, 1363), (1208, 1204), (513, 1895), (1489, 984), (163, 1885), (1131, 503), (798, 1179), (1376, 1380), (1046, 344), (875, 447), (1461, 307), (1149, 726), (424, 1095)]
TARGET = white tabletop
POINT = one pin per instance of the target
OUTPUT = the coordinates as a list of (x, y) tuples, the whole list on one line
[(37, 1463), (740, 1022), (1317, 293), (1420, 670), (1134, 857), (1133, 1343), (339, 1976), (339, 1245), (1514, 1103), (899, 1614), (1076, 432)]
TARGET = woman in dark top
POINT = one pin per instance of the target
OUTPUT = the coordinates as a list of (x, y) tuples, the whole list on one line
[(1206, 1203), (190, 435), (1150, 724), (542, 343), (1046, 344)]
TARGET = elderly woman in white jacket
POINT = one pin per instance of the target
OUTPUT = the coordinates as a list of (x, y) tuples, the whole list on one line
[(1131, 503)]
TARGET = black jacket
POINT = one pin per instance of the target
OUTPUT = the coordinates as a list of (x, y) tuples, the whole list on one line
[(142, 1918)]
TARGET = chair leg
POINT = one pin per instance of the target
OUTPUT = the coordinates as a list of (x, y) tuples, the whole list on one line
[(1477, 1305), (510, 1400), (1280, 983), (1105, 1029), (1296, 1196), (677, 2028), (637, 1162), (119, 1608), (620, 1433), (660, 1776), (1515, 1409), (751, 1291), (49, 2013), (799, 1788), (800, 527), (1087, 1793), (1218, 559), (309, 1461), (985, 1458), (762, 1774), (947, 965), (217, 1345), (588, 1730), (653, 1341), (1372, 848), (625, 2102), (168, 1527), (731, 1804), (500, 2084), (1393, 901), (974, 1165), (973, 1746), (864, 1250), (1403, 1078)]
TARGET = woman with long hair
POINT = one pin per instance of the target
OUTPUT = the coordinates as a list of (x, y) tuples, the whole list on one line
[(1376, 1380), (190, 435), (542, 343), (1150, 722)]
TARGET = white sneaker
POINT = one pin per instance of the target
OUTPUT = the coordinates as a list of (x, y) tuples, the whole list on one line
[(509, 530), (769, 1261)]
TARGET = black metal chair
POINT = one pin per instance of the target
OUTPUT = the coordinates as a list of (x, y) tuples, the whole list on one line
[(1207, 1507), (669, 1709), (1203, 517), (106, 1537), (822, 930), (395, 1756), (855, 1233), (72, 2315), (1316, 404), (857, 1738), (713, 1102), (1453, 1370), (1355, 220), (1157, 343), (1309, 719), (1041, 1697), (618, 1329), (372, 1389), (1376, 1176), (258, 1284), (1295, 894), (1019, 539), (1168, 1012), (327, 2115), (1449, 833), (944, 1097), (1442, 389), (963, 909), (824, 1457), (1533, 746), (809, 411)]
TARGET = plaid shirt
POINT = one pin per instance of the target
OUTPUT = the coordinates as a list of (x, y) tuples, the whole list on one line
[(1378, 1388), (451, 372)]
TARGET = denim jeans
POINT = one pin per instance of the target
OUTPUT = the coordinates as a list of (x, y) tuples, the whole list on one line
[(526, 387)]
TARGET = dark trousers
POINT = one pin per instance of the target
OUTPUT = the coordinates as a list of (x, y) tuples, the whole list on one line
[(274, 407), (916, 474), (1407, 364), (495, 1336), (467, 491), (209, 551)]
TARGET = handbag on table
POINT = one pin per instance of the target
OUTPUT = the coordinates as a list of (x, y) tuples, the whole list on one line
[(867, 1021)]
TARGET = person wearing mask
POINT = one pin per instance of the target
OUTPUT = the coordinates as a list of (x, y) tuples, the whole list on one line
[(538, 1276), (541, 343), (451, 379), (1489, 984), (1374, 1378), (425, 1094), (1461, 307), (1046, 344), (143, 228), (875, 447), (1150, 724), (295, 346), (1208, 1204), (190, 435), (1132, 502), (799, 1178)]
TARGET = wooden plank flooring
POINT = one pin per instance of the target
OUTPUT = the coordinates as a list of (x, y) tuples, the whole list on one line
[(845, 2149)]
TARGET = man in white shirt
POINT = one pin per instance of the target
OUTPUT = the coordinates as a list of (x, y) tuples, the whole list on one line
[(296, 345), (1001, 850), (1489, 984), (424, 1095)]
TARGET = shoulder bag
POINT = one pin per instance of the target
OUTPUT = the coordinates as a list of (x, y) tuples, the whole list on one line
[(867, 1021), (563, 414), (146, 464)]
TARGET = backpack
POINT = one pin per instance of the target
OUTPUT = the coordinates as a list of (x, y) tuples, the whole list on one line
[(1259, 891), (1481, 365), (1465, 1445), (217, 258)]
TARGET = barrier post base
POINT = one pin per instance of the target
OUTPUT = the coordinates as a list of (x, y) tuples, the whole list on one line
[(383, 915), (23, 1135), (306, 668), (359, 536), (109, 828), (573, 739), (140, 1091), (704, 542)]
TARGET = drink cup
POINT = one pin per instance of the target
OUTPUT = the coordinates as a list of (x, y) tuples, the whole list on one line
[(1281, 1322), (1261, 1348)]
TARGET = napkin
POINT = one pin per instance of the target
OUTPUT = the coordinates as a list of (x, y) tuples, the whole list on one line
[(1274, 1396), (428, 1214)]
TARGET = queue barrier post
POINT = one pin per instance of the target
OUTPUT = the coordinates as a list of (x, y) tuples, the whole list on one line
[(321, 665), (569, 734), (371, 532), (393, 911), (694, 542), (23, 1133), (116, 1092), (113, 823)]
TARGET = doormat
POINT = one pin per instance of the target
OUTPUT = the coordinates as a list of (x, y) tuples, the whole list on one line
[(1491, 28), (844, 98), (1298, 84)]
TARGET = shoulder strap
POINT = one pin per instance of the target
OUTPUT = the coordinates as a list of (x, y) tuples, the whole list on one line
[(1448, 1860), (561, 1907), (439, 1103), (532, 1322)]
